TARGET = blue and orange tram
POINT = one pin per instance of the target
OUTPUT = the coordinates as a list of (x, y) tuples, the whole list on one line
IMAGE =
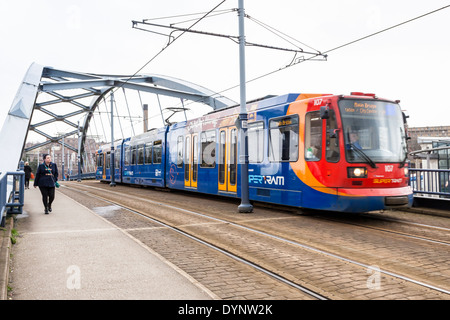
[(328, 152)]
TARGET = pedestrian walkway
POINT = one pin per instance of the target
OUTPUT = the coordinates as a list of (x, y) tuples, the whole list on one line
[(72, 253)]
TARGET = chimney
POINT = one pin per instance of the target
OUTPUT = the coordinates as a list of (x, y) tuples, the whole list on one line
[(145, 107)]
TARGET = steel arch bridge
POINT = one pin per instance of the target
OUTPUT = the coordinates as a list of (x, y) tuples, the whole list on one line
[(74, 88)]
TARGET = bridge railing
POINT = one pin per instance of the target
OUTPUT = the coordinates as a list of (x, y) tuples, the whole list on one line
[(12, 194), (433, 183), (84, 176)]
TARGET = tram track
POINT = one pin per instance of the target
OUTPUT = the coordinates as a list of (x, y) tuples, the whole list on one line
[(255, 266), (227, 253), (390, 231), (273, 237)]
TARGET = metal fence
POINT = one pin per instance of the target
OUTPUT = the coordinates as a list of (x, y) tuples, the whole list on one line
[(12, 191), (433, 183), (84, 176)]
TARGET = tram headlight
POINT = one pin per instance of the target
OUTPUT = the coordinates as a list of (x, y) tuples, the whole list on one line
[(406, 171), (358, 172)]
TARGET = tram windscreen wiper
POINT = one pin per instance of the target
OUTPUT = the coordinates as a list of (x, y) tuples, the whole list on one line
[(405, 149), (362, 154)]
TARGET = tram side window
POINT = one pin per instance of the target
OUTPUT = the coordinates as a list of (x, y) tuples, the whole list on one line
[(332, 137), (283, 139), (108, 160), (157, 152), (208, 154), (148, 153), (256, 142), (140, 154), (126, 159), (313, 136), (133, 155), (180, 151), (117, 158), (195, 158), (222, 161), (100, 160), (187, 159)]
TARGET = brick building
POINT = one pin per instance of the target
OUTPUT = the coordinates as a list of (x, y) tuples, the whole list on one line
[(70, 157), (427, 138)]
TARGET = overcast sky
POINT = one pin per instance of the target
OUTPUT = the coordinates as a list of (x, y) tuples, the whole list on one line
[(409, 63)]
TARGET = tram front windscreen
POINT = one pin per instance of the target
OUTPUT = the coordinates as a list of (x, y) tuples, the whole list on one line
[(374, 131)]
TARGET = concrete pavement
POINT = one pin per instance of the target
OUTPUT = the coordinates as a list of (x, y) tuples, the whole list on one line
[(72, 253)]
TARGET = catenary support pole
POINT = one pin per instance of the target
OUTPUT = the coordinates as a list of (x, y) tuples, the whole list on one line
[(112, 164), (79, 153), (62, 167), (245, 206)]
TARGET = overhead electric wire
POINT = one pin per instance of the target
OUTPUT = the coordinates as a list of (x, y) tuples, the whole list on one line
[(338, 47), (120, 122), (171, 42), (129, 113), (330, 50), (384, 30), (218, 13), (168, 44), (279, 33), (189, 15), (234, 38)]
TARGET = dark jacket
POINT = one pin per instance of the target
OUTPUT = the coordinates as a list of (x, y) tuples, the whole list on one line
[(27, 170), (46, 176)]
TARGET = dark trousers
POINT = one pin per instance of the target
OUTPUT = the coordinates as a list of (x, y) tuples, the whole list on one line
[(27, 182), (48, 195)]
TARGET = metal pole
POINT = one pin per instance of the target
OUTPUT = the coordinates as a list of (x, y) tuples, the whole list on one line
[(145, 109), (112, 166), (69, 164), (62, 166), (79, 153), (245, 206)]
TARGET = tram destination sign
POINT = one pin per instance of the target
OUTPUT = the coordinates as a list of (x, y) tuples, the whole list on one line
[(365, 107)]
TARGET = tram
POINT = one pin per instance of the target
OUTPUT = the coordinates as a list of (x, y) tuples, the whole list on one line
[(343, 153)]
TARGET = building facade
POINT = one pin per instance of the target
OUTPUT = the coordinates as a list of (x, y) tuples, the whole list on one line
[(427, 138), (70, 158)]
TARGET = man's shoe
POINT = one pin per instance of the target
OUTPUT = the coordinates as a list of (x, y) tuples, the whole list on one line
[(49, 209), (46, 210)]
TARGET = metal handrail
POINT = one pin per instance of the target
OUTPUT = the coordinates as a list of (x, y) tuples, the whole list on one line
[(430, 182), (12, 194)]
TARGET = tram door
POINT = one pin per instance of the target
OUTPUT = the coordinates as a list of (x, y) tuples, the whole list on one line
[(191, 160), (228, 159), (104, 165)]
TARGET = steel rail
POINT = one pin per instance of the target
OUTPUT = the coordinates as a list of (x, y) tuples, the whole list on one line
[(211, 246), (404, 234), (295, 243)]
